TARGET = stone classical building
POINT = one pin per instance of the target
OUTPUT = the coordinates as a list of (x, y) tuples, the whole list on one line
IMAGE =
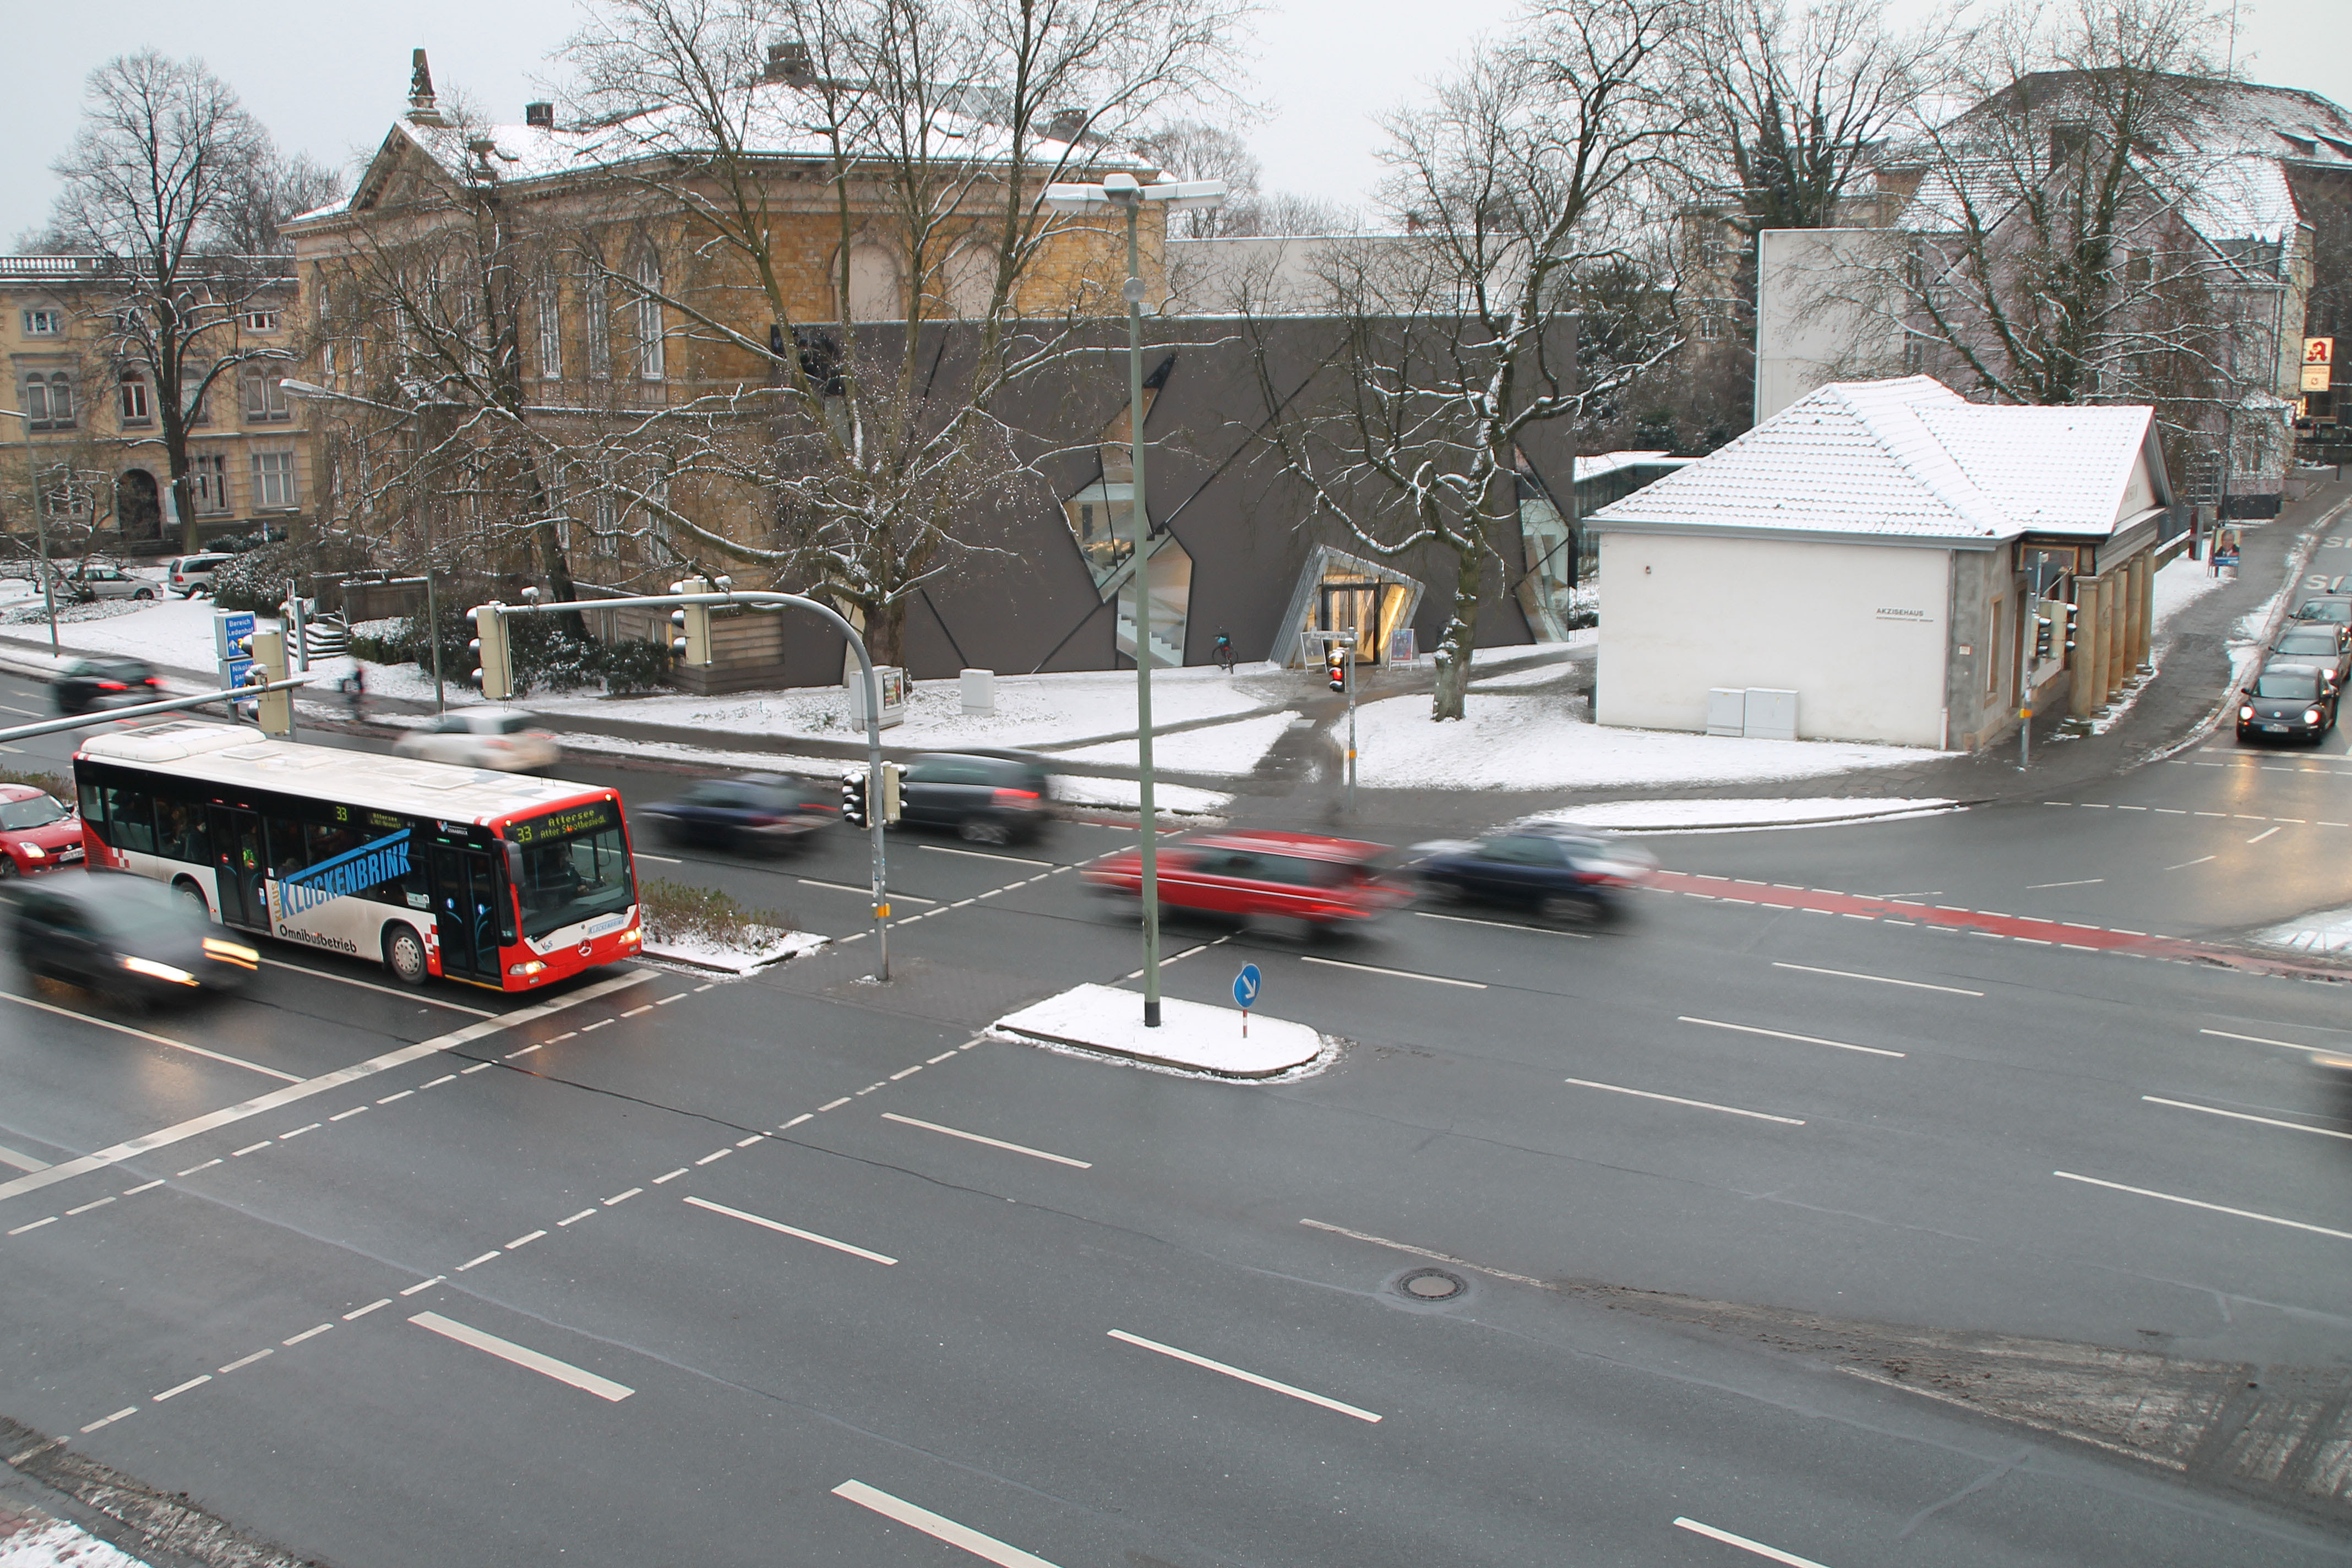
[(83, 440)]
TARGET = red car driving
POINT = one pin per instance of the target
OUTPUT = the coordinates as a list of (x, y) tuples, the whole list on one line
[(37, 833), (1328, 883)]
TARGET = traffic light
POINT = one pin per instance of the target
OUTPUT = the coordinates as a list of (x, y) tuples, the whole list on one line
[(891, 773), (853, 799), (2073, 616), (273, 710), (493, 664), (1336, 669), (692, 643)]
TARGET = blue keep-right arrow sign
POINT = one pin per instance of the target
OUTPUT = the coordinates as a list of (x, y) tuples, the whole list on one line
[(1245, 985)]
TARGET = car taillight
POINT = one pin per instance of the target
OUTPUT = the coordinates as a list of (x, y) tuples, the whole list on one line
[(113, 686), (1023, 799)]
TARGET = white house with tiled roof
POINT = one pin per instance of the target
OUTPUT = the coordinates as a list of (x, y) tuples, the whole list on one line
[(1901, 559)]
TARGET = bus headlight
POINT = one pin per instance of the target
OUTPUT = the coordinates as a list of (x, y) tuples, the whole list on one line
[(525, 971), (632, 937)]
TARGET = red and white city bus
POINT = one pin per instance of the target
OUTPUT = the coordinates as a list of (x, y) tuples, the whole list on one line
[(493, 879)]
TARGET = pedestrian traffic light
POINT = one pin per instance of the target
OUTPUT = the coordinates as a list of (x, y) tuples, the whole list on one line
[(273, 710), (1336, 669), (891, 773), (853, 799), (493, 664), (692, 644)]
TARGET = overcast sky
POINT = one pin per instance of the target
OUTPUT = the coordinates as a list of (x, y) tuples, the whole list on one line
[(329, 81)]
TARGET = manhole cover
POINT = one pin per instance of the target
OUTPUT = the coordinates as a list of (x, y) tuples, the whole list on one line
[(1431, 1285)]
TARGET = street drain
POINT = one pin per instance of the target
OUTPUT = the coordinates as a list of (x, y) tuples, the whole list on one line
[(1431, 1285)]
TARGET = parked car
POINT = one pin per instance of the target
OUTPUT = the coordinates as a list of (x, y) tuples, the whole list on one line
[(192, 574), (758, 811), (104, 580), (36, 833), (1325, 883), (93, 685), (2332, 607), (505, 739), (1556, 870), (2322, 645), (127, 937), (987, 799), (2289, 700)]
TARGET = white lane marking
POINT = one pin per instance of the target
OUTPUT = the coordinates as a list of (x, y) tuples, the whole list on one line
[(836, 1104), (249, 1148), (991, 1142), (893, 897), (244, 1362), (1778, 1034), (484, 1066), (909, 1072), (197, 1125), (789, 1230), (150, 1187), (714, 1155), (936, 1060), (388, 1098), (35, 1226), (22, 1161), (287, 1136), (2244, 1116), (307, 1334), (25, 712), (110, 1420), (425, 1285), (1502, 925), (671, 1176), (151, 1038), (575, 1219), (183, 1388), (1772, 1553), (205, 1166), (353, 1317), (1881, 979), (1400, 973), (524, 1240), (2260, 1040), (437, 1083), (665, 859), (2038, 886), (2265, 832), (1249, 1377), (747, 1142), (523, 1356), (674, 997), (623, 1197), (635, 1011), (983, 855), (795, 1121), (524, 1052), (85, 1208), (354, 1111), (477, 1262), (938, 1526), (421, 999), (1677, 1099), (1419, 1251), (2198, 1204)]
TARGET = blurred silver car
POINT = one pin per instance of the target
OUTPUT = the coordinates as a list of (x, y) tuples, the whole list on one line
[(505, 738)]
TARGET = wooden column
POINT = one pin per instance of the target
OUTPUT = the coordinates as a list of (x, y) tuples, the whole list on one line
[(2081, 701)]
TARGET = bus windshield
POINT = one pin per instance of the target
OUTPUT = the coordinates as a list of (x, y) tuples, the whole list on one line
[(575, 867)]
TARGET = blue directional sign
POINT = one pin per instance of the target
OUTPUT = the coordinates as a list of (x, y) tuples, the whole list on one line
[(228, 627), (1245, 986)]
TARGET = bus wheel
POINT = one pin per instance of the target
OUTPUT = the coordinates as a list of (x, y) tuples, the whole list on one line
[(403, 954), (187, 888)]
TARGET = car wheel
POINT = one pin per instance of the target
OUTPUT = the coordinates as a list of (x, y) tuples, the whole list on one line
[(144, 594), (983, 830), (1572, 908), (8, 868), (403, 954)]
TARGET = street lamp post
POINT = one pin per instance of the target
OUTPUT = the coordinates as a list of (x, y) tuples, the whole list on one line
[(1124, 192)]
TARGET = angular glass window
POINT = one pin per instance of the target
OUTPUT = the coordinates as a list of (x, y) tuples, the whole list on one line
[(1172, 604)]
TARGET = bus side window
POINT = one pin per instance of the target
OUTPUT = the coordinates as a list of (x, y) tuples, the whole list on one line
[(180, 833), (130, 820), (93, 809), (286, 850)]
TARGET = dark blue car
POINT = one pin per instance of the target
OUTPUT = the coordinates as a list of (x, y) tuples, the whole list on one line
[(758, 811), (1553, 869)]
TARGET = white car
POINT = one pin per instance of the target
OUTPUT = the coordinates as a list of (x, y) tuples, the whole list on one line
[(500, 738)]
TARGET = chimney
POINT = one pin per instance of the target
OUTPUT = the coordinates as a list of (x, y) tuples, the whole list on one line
[(1066, 125), (541, 115), (422, 108), (789, 62)]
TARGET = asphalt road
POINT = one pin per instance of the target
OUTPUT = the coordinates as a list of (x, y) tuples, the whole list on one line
[(806, 1269)]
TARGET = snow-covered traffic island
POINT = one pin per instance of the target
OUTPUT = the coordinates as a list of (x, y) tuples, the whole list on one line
[(1191, 1036)]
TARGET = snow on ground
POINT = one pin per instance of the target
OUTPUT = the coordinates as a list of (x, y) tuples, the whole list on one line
[(580, 745), (2323, 930), (1190, 1035), (1540, 741), (1232, 748), (176, 632), (1632, 815), (39, 1541), (2178, 584), (1128, 794), (765, 945)]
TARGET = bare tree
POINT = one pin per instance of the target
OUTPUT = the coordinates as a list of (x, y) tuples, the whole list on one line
[(1194, 150), (156, 181), (268, 192), (912, 140), (1530, 165)]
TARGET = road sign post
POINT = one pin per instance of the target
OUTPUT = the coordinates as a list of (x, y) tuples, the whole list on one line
[(1246, 989)]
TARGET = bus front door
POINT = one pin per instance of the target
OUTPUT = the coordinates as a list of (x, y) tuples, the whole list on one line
[(463, 905), (239, 868)]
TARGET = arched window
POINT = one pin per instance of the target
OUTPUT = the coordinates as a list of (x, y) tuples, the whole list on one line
[(650, 365), (969, 277), (548, 309), (50, 401), (876, 293), (595, 318)]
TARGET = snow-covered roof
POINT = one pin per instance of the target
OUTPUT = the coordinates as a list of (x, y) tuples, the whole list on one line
[(1906, 460), (1599, 463)]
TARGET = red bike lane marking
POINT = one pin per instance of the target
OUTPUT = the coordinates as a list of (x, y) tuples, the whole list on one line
[(2019, 928)]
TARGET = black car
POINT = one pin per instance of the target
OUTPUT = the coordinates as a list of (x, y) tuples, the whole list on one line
[(94, 685), (758, 811), (2322, 645), (2287, 700), (127, 937), (1549, 868), (985, 798)]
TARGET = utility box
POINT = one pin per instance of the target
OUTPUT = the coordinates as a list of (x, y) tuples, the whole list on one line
[(979, 686), (1727, 710), (1770, 715), (893, 681)]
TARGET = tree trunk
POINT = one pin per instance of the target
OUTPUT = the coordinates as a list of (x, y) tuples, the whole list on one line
[(885, 633), (1461, 636)]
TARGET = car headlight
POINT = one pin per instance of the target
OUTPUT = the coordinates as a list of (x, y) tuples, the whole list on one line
[(2311, 715), (2247, 711), (148, 966), (33, 851), (232, 952)]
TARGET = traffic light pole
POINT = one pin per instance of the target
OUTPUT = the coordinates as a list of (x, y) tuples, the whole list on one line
[(172, 705), (761, 599)]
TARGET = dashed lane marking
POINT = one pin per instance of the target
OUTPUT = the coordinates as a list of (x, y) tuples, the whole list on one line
[(307, 1334), (523, 1356), (776, 1224), (1881, 979), (1399, 973), (243, 1361), (1770, 1554), (985, 855), (1294, 1391), (991, 1142), (938, 1526), (1510, 925), (1778, 1034)]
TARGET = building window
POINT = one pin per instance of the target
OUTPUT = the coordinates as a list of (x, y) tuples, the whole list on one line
[(596, 319), (65, 494), (134, 400), (649, 318), (43, 323), (1992, 649), (1710, 329), (49, 401), (549, 311), (273, 481), (260, 320), (264, 399), (208, 482)]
